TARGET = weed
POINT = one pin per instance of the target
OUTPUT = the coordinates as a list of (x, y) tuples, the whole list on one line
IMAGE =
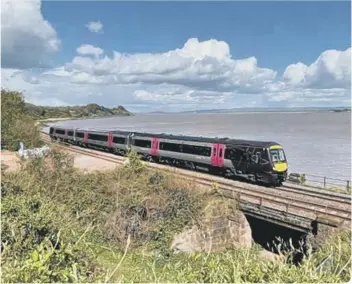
[(60, 225)]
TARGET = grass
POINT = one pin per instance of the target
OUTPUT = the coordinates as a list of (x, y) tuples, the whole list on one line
[(60, 225)]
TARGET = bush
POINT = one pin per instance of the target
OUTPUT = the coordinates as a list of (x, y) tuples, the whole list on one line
[(16, 125), (40, 242), (61, 225)]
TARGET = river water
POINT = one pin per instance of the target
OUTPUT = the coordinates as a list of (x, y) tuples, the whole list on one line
[(314, 142)]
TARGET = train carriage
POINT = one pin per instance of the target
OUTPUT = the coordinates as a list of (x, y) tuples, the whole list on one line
[(58, 133), (80, 137), (258, 161), (120, 142)]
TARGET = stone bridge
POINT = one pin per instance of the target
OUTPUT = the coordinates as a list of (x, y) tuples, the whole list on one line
[(232, 229)]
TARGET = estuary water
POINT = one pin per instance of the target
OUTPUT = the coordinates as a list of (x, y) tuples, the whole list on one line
[(315, 142)]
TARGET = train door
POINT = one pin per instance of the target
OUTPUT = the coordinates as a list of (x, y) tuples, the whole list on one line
[(217, 155), (155, 146), (85, 139), (109, 142), (221, 153), (214, 155)]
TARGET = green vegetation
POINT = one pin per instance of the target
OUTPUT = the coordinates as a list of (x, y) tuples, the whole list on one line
[(18, 118), (61, 225), (16, 124), (90, 110)]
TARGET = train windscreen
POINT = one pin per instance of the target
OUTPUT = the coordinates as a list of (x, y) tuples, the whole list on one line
[(277, 155)]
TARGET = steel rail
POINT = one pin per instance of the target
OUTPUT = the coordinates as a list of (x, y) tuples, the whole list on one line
[(322, 195), (236, 190)]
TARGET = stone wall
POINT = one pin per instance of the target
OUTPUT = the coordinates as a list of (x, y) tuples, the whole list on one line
[(218, 233), (322, 230)]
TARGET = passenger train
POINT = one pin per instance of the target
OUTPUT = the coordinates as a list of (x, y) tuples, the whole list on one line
[(255, 161)]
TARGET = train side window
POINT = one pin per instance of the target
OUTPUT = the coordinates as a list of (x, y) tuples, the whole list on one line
[(97, 137), (214, 152), (220, 153), (70, 133), (60, 131), (142, 143), (172, 147), (51, 130), (119, 140), (197, 150), (184, 148), (80, 134)]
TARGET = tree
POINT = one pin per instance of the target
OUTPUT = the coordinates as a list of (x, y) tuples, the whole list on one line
[(16, 124), (12, 108)]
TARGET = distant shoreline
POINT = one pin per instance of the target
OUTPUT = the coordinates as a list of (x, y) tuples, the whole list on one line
[(44, 122), (251, 111)]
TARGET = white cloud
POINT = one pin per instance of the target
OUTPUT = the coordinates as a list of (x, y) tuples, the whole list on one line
[(95, 27), (332, 69), (203, 65), (87, 49), (26, 37), (198, 75)]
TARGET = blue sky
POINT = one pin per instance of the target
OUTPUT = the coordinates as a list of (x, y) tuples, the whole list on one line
[(277, 33), (238, 53)]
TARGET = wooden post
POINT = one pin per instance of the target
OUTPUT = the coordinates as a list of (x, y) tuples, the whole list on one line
[(324, 182)]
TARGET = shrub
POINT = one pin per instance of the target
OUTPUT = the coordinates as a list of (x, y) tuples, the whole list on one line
[(61, 225), (40, 242), (16, 125)]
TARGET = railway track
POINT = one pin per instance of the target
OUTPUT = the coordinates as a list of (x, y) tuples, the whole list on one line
[(304, 203)]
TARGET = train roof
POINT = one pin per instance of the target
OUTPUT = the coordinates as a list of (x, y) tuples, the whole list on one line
[(226, 141)]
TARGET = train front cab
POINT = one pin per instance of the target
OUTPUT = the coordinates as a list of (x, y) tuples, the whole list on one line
[(279, 164)]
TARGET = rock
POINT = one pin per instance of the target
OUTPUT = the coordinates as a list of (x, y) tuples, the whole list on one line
[(219, 234), (188, 241)]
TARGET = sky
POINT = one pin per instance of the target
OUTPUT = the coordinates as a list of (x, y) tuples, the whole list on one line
[(177, 56)]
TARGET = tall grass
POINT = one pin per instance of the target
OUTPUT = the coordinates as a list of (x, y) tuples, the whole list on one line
[(60, 225)]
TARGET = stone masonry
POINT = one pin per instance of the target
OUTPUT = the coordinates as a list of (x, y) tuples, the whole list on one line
[(219, 233)]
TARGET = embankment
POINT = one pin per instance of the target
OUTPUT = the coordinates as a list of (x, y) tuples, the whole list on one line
[(131, 224)]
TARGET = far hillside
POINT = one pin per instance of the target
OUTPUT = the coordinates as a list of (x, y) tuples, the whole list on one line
[(90, 110)]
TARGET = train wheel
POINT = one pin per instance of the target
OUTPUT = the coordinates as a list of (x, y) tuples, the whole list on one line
[(150, 159)]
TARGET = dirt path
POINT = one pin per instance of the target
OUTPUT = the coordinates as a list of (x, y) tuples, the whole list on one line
[(10, 160), (85, 163)]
